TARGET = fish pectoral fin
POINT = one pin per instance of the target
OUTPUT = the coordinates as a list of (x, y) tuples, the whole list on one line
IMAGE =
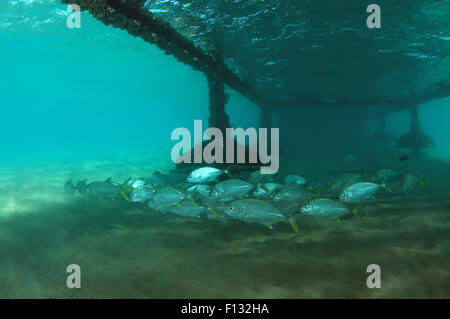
[(356, 211)]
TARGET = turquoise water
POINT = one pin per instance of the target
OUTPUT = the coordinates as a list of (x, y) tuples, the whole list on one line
[(96, 102)]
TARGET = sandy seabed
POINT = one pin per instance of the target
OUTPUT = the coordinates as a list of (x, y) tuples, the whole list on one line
[(128, 251)]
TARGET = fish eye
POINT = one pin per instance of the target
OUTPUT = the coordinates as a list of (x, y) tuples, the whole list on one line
[(231, 207)]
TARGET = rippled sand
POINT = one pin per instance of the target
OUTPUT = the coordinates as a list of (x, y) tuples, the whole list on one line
[(127, 251)]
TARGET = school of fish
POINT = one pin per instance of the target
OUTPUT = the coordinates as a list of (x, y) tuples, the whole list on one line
[(251, 197)]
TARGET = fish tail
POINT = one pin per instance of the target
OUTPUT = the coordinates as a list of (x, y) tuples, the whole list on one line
[(124, 195), (213, 210), (124, 186), (264, 187), (422, 181), (387, 188), (356, 211), (192, 200), (294, 225)]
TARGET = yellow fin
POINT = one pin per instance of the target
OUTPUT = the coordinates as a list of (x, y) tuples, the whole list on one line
[(215, 212), (124, 196), (192, 200), (268, 225), (388, 189), (294, 225), (356, 211), (264, 188), (422, 181)]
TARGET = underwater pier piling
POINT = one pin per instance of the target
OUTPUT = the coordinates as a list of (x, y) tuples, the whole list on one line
[(130, 15), (415, 139), (217, 101), (137, 21)]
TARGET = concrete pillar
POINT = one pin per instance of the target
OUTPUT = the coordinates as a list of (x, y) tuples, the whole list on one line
[(217, 101)]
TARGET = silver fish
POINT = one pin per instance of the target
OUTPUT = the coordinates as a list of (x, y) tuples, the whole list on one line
[(325, 208), (254, 211), (137, 183), (201, 190), (82, 187), (103, 190), (341, 180), (292, 192), (187, 209), (410, 181), (70, 188), (231, 189), (204, 175), (142, 193), (295, 179), (359, 192), (167, 197), (263, 191)]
